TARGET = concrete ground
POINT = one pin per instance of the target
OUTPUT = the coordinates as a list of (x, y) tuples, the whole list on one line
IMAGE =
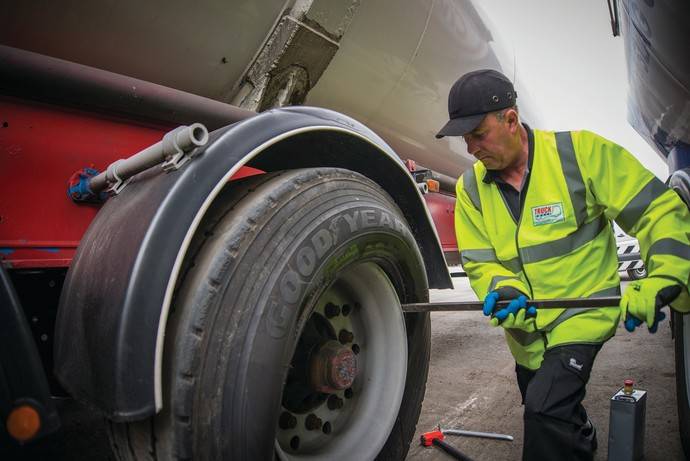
[(472, 386)]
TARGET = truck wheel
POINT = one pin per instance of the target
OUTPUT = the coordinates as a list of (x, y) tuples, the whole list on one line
[(680, 182), (286, 339), (637, 274)]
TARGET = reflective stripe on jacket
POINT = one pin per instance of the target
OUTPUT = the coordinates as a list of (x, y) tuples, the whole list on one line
[(563, 245)]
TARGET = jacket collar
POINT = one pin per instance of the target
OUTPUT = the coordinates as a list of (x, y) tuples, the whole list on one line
[(495, 176)]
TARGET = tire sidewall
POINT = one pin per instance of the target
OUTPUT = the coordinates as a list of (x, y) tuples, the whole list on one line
[(680, 182)]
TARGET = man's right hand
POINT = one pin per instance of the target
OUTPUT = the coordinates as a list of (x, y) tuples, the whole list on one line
[(516, 315)]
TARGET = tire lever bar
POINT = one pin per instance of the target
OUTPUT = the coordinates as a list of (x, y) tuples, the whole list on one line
[(558, 303)]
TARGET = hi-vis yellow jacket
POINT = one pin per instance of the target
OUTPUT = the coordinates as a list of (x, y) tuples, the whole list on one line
[(563, 245)]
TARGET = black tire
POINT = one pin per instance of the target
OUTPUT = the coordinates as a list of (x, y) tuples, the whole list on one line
[(680, 182), (255, 284), (637, 274)]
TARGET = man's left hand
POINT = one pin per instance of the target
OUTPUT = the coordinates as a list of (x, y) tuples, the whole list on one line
[(643, 300)]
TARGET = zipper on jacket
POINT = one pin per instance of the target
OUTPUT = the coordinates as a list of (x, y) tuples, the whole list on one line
[(523, 194), (505, 202), (517, 246)]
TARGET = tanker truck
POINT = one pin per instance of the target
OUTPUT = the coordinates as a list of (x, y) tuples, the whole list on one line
[(211, 213)]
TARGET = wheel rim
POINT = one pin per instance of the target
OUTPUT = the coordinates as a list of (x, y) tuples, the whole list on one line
[(334, 407)]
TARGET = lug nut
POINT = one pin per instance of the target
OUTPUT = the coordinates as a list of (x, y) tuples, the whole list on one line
[(294, 443), (287, 420), (331, 310), (334, 402), (348, 393), (345, 336), (313, 422), (346, 309), (326, 428)]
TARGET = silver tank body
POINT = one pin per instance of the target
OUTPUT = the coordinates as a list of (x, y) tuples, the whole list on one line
[(387, 63)]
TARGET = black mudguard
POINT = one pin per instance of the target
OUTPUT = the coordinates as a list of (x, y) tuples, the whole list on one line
[(115, 301)]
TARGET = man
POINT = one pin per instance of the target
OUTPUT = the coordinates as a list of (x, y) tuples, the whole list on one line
[(533, 221)]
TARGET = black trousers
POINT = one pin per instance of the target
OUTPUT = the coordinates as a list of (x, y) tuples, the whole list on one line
[(555, 422)]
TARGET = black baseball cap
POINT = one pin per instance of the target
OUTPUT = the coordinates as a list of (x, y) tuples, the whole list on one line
[(474, 95)]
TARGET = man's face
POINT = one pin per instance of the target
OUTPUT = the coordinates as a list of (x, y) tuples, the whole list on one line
[(491, 143)]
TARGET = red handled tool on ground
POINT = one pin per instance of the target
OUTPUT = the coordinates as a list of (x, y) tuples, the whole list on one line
[(559, 303), (436, 438)]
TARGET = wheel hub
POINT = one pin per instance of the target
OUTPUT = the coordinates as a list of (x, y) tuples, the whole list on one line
[(333, 368)]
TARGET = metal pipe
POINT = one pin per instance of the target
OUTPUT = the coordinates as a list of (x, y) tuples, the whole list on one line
[(446, 182), (42, 78), (486, 435), (178, 141), (559, 303)]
